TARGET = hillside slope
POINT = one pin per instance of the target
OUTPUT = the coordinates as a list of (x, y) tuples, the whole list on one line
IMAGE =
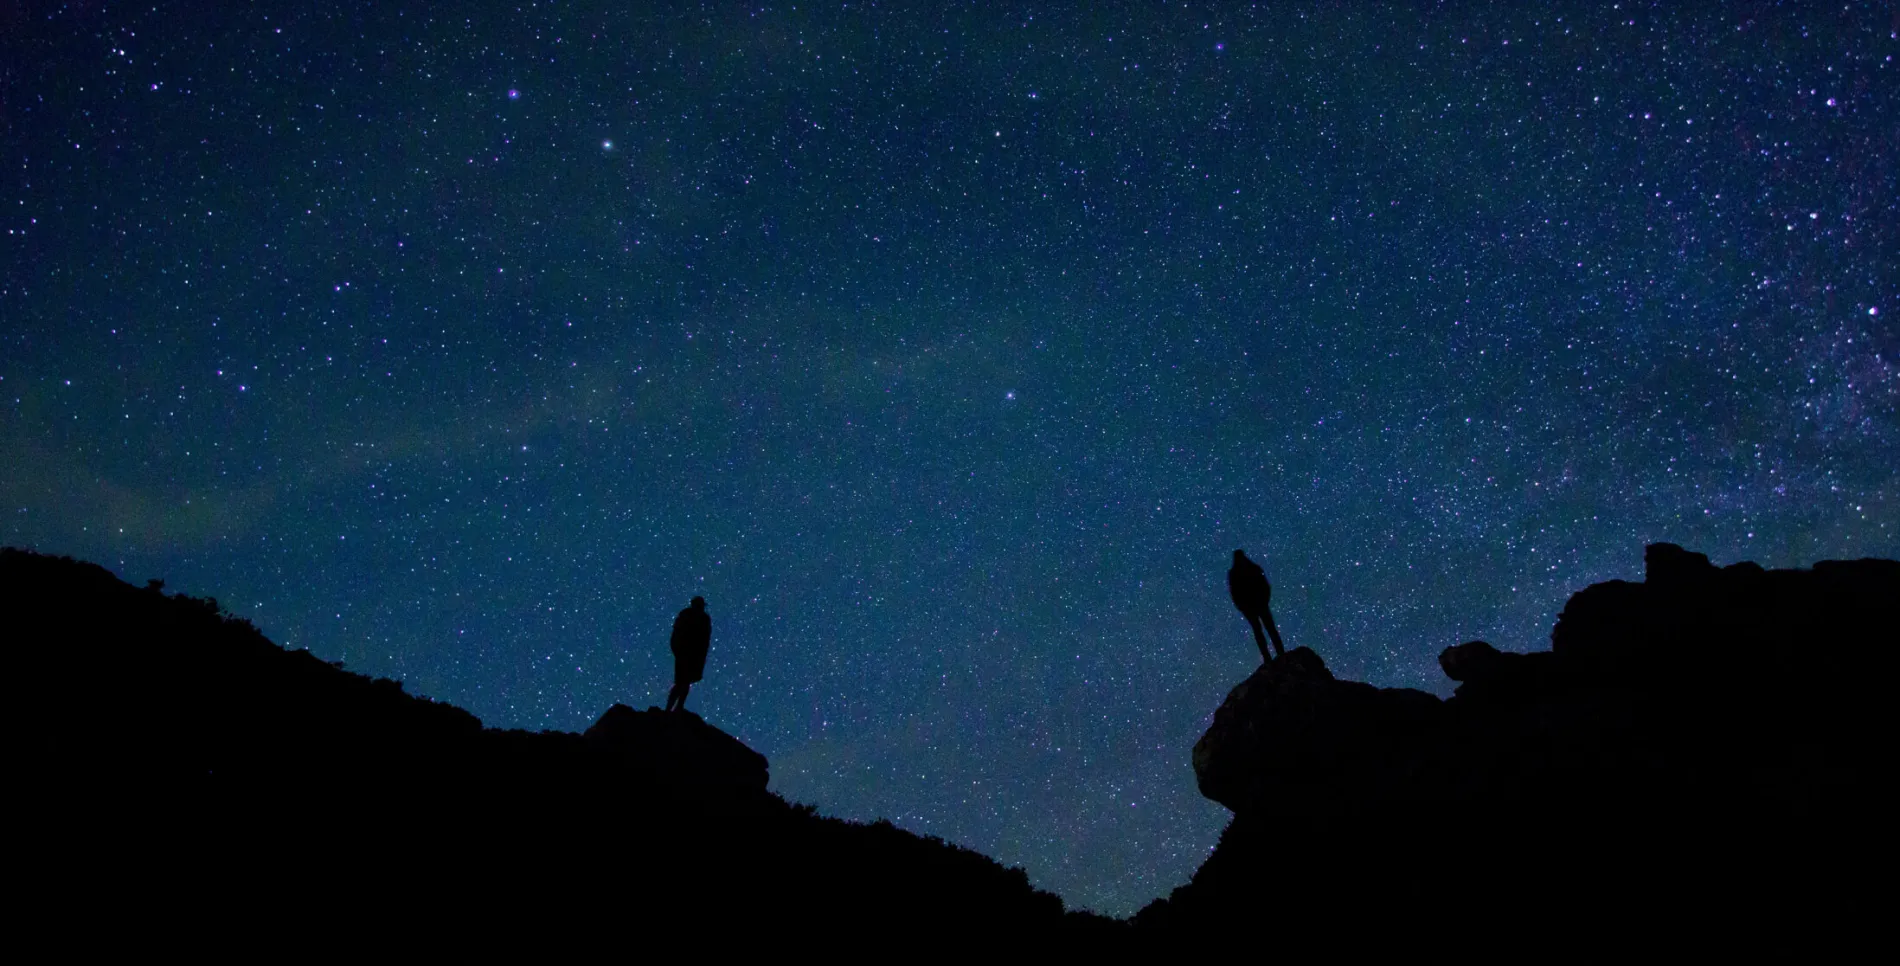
[(185, 777)]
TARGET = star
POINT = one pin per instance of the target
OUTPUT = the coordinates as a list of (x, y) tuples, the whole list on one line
[(751, 362)]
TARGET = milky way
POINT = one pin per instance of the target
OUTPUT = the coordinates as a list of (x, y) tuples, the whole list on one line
[(948, 356)]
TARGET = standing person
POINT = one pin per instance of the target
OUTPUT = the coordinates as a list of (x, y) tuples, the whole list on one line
[(1247, 585), (692, 638)]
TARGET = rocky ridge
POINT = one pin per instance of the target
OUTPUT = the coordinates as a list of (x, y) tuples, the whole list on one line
[(1697, 750)]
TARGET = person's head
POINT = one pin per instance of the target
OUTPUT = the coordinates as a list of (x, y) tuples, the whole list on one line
[(699, 603), (1240, 555)]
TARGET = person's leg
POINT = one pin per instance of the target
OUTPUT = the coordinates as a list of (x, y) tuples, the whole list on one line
[(675, 697), (1278, 645), (1258, 637), (684, 690)]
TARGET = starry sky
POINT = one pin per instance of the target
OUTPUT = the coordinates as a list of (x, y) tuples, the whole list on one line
[(947, 350)]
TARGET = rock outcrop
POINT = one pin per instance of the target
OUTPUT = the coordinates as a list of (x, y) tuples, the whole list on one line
[(678, 748), (1696, 743), (1293, 736)]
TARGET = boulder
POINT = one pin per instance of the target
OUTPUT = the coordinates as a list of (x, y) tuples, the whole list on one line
[(1470, 661), (678, 749), (1294, 735), (1669, 566)]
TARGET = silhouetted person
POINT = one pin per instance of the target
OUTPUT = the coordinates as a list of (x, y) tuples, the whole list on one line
[(692, 638), (1247, 584)]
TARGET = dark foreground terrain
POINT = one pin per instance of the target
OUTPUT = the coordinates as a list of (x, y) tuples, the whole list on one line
[(188, 781), (1694, 767)]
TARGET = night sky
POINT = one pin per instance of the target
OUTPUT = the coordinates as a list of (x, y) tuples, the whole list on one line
[(948, 353)]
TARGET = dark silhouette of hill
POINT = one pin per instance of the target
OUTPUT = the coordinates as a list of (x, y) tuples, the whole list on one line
[(1695, 765), (184, 780)]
